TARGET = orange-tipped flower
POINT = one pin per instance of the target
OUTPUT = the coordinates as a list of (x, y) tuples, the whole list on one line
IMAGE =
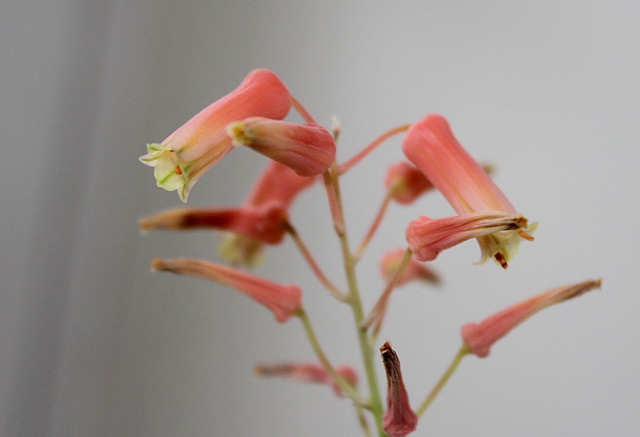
[(185, 155), (412, 272), (431, 146), (282, 300), (399, 419), (266, 223), (308, 149), (309, 372), (479, 337)]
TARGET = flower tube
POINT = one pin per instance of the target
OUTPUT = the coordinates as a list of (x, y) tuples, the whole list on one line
[(479, 337), (428, 237), (185, 155), (282, 300), (308, 149), (265, 223)]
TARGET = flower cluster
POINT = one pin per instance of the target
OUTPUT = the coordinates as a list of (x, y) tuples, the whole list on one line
[(301, 154)]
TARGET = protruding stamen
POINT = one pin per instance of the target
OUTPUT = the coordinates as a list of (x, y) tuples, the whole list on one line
[(526, 236)]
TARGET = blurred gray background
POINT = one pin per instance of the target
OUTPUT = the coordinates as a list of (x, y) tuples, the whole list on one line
[(94, 344)]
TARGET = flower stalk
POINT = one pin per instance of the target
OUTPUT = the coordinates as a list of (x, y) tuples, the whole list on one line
[(346, 388), (464, 350), (346, 166), (374, 226), (366, 351), (335, 292)]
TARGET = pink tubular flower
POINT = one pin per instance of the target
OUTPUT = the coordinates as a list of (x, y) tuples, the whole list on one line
[(413, 271), (431, 146), (277, 183), (185, 155), (308, 149), (479, 337), (309, 372), (399, 419), (265, 223), (282, 300), (406, 182), (428, 237)]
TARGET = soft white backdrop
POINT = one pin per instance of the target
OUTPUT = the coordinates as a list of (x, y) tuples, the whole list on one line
[(93, 344)]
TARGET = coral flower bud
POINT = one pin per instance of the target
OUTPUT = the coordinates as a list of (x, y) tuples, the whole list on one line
[(308, 149), (479, 337), (185, 155), (277, 183), (309, 372), (428, 237), (265, 223), (413, 271), (406, 182), (282, 300), (431, 146), (399, 419)]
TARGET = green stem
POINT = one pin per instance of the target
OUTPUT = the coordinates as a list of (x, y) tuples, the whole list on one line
[(302, 111), (375, 402), (345, 167), (346, 388), (374, 226), (341, 296), (464, 350), (362, 420), (379, 310)]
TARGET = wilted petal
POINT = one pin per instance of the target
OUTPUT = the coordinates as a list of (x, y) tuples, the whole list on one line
[(399, 419)]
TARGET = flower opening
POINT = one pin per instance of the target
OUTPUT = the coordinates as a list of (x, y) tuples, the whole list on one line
[(428, 237)]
